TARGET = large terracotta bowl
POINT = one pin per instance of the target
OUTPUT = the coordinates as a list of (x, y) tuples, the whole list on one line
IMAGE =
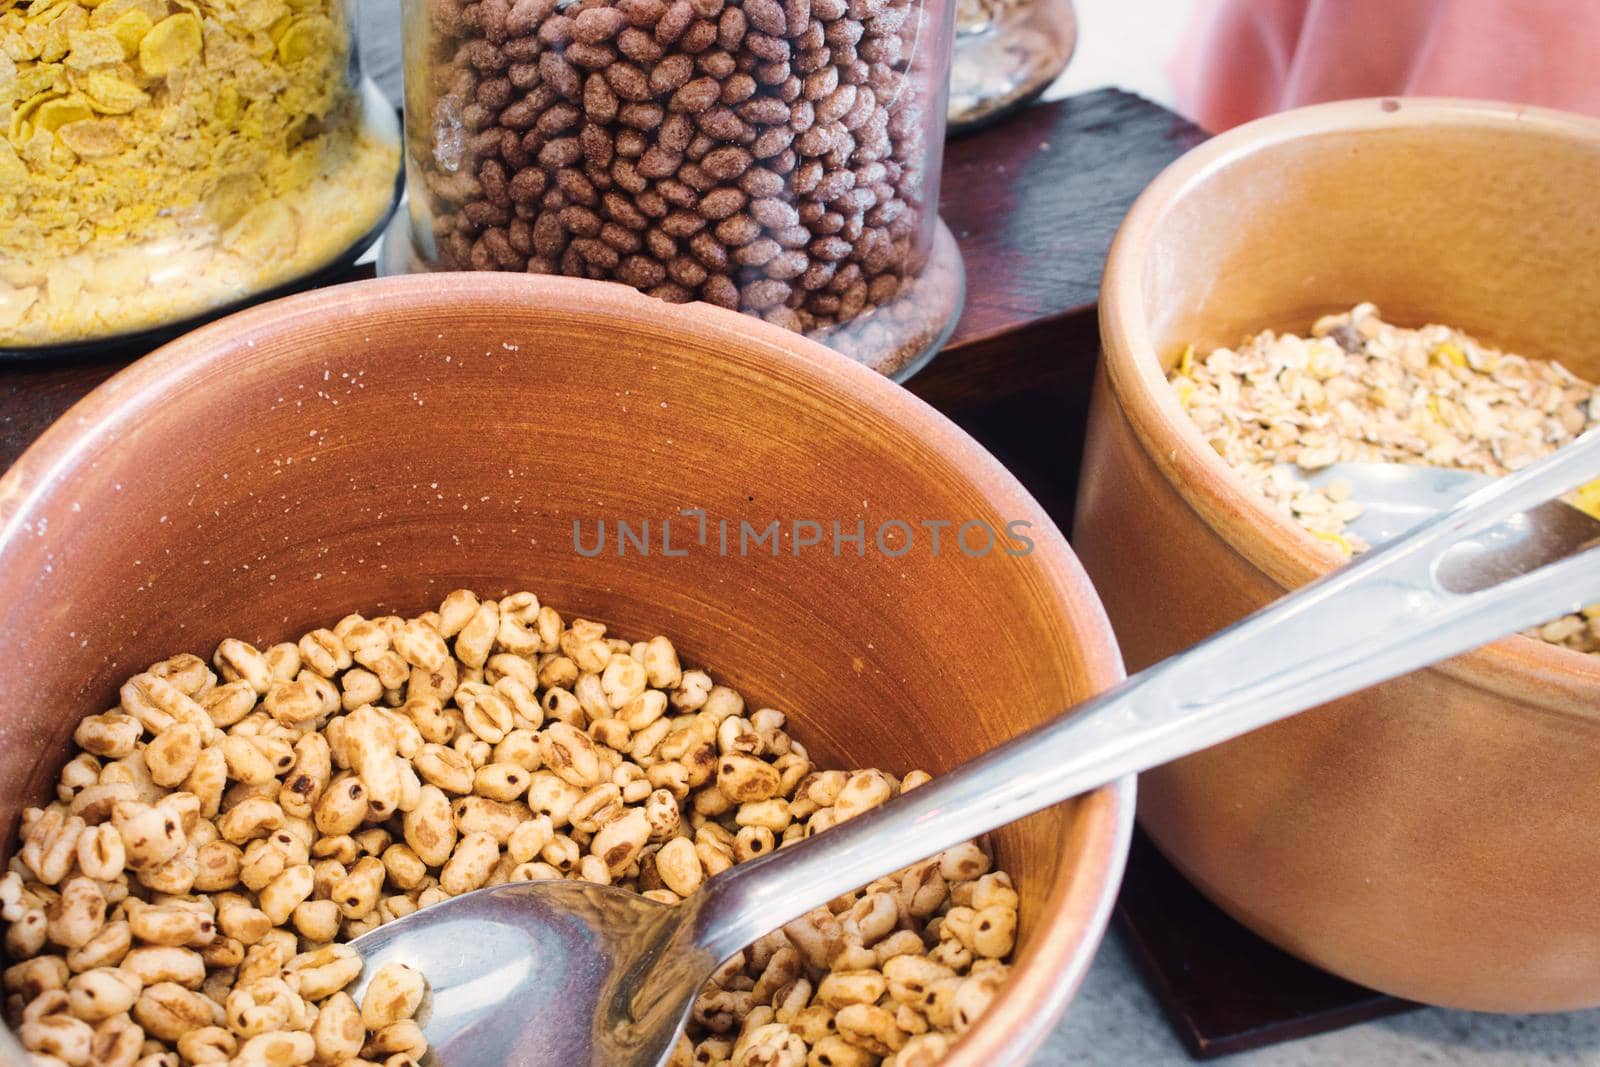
[(374, 446), (1438, 837)]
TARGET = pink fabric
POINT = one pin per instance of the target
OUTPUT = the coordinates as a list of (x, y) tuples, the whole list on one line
[(1245, 58)]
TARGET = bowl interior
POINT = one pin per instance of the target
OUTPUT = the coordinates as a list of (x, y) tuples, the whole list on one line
[(1477, 216), (1470, 214), (372, 447)]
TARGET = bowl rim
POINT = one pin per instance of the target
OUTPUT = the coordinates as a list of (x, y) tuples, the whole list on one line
[(1059, 953), (1565, 682)]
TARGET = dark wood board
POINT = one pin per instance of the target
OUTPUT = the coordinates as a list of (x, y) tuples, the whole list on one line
[(1223, 988), (1034, 203)]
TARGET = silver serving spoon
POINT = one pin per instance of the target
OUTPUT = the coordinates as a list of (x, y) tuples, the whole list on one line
[(563, 974)]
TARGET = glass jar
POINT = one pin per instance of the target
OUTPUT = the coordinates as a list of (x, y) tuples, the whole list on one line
[(160, 159), (779, 157), (1007, 53)]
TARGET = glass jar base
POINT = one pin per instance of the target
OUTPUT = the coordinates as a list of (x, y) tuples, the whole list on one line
[(896, 338)]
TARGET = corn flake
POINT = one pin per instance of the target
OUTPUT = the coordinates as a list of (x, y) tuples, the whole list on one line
[(38, 80), (92, 138), (112, 10), (21, 126), (92, 48), (1588, 499), (56, 113), (173, 43), (110, 95), (130, 29), (14, 304), (57, 40), (261, 15), (308, 36)]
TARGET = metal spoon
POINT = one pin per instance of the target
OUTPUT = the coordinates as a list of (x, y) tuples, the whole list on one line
[(1397, 497), (563, 974)]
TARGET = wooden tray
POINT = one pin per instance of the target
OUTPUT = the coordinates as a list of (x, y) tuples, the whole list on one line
[(1223, 988)]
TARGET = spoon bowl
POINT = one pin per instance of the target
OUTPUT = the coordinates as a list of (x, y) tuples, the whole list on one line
[(1398, 497), (554, 951), (1394, 497)]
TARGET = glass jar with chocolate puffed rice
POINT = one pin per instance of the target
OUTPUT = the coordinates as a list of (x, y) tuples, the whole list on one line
[(160, 159), (777, 157)]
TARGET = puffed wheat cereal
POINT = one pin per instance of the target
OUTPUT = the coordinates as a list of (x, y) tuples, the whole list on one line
[(185, 896)]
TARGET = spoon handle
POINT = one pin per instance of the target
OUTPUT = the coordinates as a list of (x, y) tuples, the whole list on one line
[(1392, 611)]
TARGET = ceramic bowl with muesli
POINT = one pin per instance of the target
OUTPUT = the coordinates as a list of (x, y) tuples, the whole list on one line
[(1380, 280)]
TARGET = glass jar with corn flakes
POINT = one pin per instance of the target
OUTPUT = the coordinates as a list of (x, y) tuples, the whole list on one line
[(160, 159)]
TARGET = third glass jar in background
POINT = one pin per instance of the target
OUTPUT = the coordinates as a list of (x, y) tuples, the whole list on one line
[(1007, 53), (778, 157)]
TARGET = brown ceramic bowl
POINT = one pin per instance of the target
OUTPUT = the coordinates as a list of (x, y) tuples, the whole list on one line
[(373, 446), (1438, 837)]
